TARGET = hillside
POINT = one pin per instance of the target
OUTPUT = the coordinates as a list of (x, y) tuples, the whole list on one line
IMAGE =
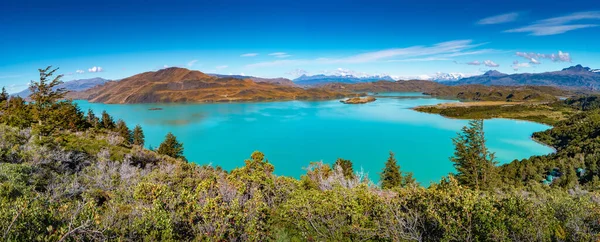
[(279, 81), (466, 92), (183, 85), (575, 77), (500, 93), (319, 80), (386, 86), (75, 85)]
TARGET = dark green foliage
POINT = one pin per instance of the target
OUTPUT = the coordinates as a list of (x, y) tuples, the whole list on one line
[(138, 136), (171, 147), (17, 113), (474, 164), (391, 176), (346, 166), (124, 131), (3, 95), (584, 103), (93, 120), (107, 121), (44, 96)]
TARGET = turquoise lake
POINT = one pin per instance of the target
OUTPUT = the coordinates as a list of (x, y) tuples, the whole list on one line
[(293, 133)]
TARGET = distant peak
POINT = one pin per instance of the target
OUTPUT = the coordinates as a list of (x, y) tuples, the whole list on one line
[(577, 68), (493, 73)]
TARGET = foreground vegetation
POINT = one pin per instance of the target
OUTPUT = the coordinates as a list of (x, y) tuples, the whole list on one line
[(70, 176)]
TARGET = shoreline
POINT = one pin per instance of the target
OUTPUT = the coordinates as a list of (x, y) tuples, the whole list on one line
[(554, 150)]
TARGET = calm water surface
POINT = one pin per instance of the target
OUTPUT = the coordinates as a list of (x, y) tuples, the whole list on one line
[(293, 133)]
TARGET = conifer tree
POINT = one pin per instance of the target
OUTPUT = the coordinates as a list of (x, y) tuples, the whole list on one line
[(346, 166), (391, 176), (124, 131), (474, 164), (92, 119), (171, 147), (138, 136), (107, 121), (3, 95), (44, 95)]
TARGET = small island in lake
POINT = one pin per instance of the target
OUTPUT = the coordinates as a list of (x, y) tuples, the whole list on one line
[(358, 100), (155, 109)]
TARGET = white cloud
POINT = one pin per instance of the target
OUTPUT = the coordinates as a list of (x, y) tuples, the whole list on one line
[(534, 58), (249, 55), (79, 71), (421, 59), (559, 25), (413, 53), (221, 67), (280, 54), (297, 72), (95, 69), (490, 63), (498, 19), (191, 63), (15, 88), (474, 63), (516, 65), (10, 76), (348, 72)]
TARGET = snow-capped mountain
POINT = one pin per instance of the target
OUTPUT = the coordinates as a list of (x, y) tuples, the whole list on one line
[(322, 79), (447, 77)]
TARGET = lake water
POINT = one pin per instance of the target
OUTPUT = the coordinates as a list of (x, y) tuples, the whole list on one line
[(293, 133)]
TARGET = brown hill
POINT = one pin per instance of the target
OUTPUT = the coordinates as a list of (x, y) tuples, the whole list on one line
[(183, 85), (386, 86), (466, 92), (500, 93)]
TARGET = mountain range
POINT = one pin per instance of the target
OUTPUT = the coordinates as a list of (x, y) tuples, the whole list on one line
[(574, 77), (183, 85), (74, 86), (321, 79), (447, 77)]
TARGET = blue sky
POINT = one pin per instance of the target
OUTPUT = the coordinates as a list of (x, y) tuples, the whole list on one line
[(405, 39)]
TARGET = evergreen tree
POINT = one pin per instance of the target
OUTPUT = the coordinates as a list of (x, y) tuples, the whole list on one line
[(171, 147), (474, 164), (391, 175), (92, 119), (124, 131), (17, 113), (138, 136), (44, 95), (4, 95), (107, 121), (346, 166)]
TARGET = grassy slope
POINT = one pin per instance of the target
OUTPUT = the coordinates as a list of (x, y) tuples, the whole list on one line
[(541, 113)]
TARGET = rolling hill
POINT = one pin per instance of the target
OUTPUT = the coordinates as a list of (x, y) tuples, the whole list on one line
[(464, 92), (183, 85), (279, 81)]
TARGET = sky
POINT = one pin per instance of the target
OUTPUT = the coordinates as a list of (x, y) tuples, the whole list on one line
[(403, 39)]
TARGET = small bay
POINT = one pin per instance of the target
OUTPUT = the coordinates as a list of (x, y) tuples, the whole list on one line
[(293, 133)]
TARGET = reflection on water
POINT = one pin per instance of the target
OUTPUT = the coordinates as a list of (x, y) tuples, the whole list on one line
[(293, 133)]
